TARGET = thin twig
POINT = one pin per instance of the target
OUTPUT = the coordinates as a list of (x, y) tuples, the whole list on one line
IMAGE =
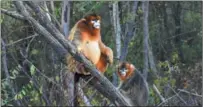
[(82, 96), (158, 93), (13, 14), (22, 39), (82, 87), (184, 91), (177, 95), (168, 99), (181, 34)]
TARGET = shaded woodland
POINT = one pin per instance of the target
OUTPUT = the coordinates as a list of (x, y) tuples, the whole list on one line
[(163, 40)]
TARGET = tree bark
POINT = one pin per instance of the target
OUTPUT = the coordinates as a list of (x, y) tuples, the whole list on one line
[(117, 32), (117, 29), (70, 83), (13, 14), (82, 96), (47, 10), (177, 20), (65, 19), (130, 33), (145, 5)]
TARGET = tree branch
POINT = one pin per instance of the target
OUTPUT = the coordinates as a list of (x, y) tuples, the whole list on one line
[(130, 28), (82, 96), (158, 93), (184, 91), (13, 14), (22, 39), (4, 62)]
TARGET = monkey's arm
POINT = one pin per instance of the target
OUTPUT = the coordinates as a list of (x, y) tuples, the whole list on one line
[(103, 63), (106, 51)]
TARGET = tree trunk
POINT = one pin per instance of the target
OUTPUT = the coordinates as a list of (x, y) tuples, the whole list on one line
[(70, 83), (177, 20), (117, 29), (130, 32), (117, 32), (145, 5), (65, 20)]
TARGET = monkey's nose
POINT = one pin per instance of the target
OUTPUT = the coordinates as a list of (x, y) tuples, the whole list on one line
[(97, 25)]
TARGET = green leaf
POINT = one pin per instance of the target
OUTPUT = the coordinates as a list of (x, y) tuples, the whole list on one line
[(12, 77), (57, 78), (34, 51), (20, 96), (29, 86), (15, 72), (16, 97), (23, 91), (40, 90), (32, 69)]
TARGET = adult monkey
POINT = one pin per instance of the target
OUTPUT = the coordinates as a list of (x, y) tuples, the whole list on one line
[(85, 35)]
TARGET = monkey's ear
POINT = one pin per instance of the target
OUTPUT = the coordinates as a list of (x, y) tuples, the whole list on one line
[(118, 65), (99, 17), (86, 17), (132, 67)]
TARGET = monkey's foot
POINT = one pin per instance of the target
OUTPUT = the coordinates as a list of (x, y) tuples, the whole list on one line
[(81, 69)]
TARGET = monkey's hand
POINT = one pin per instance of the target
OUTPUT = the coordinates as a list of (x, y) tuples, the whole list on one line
[(106, 51), (109, 54)]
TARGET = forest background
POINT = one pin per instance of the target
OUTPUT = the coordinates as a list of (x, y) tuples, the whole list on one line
[(162, 39)]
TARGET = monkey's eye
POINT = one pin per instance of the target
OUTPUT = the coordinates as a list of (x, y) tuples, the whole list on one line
[(95, 20), (123, 71)]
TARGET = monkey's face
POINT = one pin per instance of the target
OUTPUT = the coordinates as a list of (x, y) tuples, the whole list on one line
[(124, 68), (93, 20), (96, 23), (123, 71)]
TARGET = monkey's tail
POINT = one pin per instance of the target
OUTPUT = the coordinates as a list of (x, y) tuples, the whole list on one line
[(76, 86)]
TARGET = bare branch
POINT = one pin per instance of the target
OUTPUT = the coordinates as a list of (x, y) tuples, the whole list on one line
[(83, 97), (47, 10), (178, 95), (22, 39), (4, 62), (158, 93), (13, 14), (181, 90), (167, 100), (52, 7)]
